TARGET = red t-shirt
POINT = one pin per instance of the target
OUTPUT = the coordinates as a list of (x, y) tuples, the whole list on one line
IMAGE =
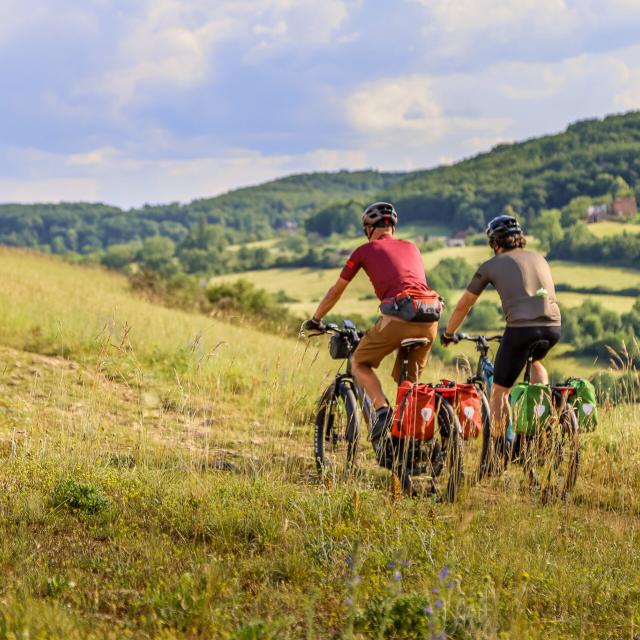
[(392, 266)]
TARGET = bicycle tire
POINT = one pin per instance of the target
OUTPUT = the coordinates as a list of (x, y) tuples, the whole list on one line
[(444, 464), (451, 444), (337, 431), (551, 458), (567, 447)]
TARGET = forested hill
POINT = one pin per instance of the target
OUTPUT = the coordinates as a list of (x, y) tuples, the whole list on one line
[(544, 173)]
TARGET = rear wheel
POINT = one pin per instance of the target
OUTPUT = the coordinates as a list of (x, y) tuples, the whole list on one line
[(552, 457), (436, 463), (336, 435)]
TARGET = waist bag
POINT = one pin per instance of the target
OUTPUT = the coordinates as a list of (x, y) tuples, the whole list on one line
[(466, 402), (414, 306), (531, 405), (583, 401), (415, 413)]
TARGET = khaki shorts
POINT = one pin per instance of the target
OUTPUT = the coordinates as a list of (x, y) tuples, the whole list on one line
[(385, 337)]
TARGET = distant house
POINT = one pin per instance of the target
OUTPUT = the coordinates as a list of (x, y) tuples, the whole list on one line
[(621, 209), (624, 207), (458, 238)]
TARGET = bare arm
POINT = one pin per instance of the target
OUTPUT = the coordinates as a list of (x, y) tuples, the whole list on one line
[(463, 307), (331, 297)]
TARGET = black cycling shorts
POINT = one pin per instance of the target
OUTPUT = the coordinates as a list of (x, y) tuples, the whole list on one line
[(513, 352)]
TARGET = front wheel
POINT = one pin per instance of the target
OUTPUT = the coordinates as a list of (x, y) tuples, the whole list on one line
[(336, 433)]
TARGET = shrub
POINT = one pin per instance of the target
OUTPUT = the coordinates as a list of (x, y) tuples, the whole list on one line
[(79, 497)]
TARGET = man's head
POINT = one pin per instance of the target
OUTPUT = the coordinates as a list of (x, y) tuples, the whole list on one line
[(379, 215), (505, 233)]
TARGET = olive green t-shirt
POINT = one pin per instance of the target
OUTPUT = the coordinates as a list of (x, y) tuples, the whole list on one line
[(525, 286)]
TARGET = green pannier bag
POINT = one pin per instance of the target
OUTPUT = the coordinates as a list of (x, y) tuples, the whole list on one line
[(583, 402), (531, 407)]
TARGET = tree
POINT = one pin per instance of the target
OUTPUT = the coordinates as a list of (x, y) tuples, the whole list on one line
[(547, 229)]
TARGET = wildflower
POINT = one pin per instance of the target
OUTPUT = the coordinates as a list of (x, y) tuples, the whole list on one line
[(438, 604), (390, 565), (443, 573), (405, 563), (439, 636), (397, 576), (450, 584), (435, 591), (428, 611)]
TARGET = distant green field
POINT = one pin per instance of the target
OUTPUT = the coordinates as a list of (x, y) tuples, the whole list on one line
[(607, 229), (587, 275)]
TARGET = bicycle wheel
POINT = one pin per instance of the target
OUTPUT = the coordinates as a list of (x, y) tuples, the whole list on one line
[(336, 433), (437, 462), (551, 458)]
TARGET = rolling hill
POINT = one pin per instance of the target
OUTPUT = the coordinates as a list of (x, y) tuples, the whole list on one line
[(530, 176)]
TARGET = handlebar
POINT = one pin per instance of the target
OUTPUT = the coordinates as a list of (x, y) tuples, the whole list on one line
[(477, 339)]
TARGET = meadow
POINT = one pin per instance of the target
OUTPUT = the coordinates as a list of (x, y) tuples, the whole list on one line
[(158, 482)]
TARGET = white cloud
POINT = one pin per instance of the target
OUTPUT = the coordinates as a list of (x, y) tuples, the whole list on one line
[(397, 104)]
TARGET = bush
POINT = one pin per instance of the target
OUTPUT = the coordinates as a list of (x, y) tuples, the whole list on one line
[(79, 497)]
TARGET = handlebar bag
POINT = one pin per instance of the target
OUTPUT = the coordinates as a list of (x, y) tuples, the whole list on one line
[(414, 306), (339, 347), (531, 407), (583, 401), (415, 413), (468, 406)]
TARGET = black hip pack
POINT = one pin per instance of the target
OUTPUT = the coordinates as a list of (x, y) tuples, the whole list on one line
[(414, 306)]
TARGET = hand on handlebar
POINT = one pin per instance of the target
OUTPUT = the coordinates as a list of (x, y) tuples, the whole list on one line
[(447, 339), (313, 327)]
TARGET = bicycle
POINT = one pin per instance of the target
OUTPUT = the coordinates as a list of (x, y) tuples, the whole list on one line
[(337, 432), (555, 448)]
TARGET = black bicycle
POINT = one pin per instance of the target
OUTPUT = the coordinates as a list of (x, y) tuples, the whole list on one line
[(550, 456), (338, 430)]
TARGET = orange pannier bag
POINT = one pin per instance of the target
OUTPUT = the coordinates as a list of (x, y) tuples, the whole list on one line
[(466, 402), (415, 413), (469, 410)]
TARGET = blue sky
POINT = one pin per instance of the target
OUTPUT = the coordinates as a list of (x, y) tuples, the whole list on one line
[(169, 100)]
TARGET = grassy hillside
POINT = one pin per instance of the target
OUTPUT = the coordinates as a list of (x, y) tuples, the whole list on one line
[(158, 483)]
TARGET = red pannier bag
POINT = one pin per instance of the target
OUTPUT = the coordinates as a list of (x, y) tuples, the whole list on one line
[(415, 414), (469, 410), (466, 402)]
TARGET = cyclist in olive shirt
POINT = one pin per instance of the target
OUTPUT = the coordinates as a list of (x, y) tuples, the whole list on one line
[(523, 281)]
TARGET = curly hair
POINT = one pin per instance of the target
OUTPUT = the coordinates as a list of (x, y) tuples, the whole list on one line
[(515, 241)]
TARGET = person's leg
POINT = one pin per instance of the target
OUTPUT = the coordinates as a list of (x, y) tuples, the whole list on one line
[(539, 374), (499, 410), (369, 381), (418, 357), (375, 345)]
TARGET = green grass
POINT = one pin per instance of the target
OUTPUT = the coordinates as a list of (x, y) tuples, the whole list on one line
[(607, 229), (158, 483)]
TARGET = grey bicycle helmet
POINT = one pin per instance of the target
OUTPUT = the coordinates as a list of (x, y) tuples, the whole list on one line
[(503, 226), (380, 214)]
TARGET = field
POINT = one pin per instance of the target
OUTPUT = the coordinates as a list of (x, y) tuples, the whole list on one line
[(158, 483), (307, 286), (606, 229)]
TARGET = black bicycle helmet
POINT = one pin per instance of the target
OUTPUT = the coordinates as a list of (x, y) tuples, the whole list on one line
[(379, 214), (503, 226)]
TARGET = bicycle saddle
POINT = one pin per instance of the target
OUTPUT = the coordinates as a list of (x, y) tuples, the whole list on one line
[(539, 346), (414, 343)]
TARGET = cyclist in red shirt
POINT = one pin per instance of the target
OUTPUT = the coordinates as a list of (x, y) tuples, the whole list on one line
[(396, 270)]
